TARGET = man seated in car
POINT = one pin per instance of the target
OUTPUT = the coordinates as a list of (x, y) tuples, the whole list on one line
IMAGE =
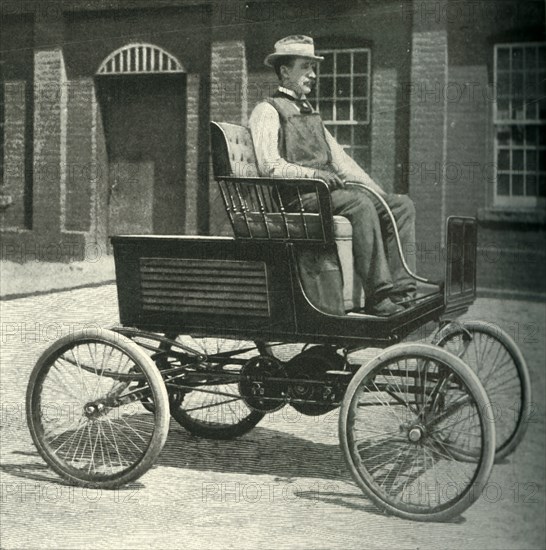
[(290, 141)]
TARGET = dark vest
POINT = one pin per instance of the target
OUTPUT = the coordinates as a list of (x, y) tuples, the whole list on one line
[(302, 138)]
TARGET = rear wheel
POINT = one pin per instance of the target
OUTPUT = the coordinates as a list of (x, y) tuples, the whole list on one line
[(213, 407), (405, 421), (85, 409), (502, 370)]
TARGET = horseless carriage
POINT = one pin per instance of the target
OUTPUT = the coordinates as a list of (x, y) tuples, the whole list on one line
[(203, 324)]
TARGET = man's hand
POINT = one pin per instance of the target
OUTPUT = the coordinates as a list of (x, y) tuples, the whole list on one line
[(332, 180)]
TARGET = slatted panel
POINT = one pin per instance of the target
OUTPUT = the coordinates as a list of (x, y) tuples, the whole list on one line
[(140, 59), (204, 286)]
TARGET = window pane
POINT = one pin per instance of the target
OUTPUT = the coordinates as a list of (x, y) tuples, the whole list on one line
[(530, 135), (530, 84), (503, 135), (326, 110), (531, 161), (542, 134), (343, 63), (530, 58), (327, 66), (542, 161), (361, 110), (531, 185), (360, 62), (531, 110), (343, 86), (360, 86), (517, 160), (503, 107), (517, 135), (503, 85), (503, 59), (542, 109), (326, 87), (344, 135), (517, 61), (517, 84), (517, 185), (504, 159), (343, 110), (503, 185), (517, 109)]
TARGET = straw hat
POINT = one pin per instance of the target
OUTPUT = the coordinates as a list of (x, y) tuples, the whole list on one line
[(294, 45)]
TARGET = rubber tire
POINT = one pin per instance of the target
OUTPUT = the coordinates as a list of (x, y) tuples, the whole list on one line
[(504, 448), (161, 402), (462, 370)]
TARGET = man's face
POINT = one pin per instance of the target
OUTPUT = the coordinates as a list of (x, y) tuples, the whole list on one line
[(300, 77)]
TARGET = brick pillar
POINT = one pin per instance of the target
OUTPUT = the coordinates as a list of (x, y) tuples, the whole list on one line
[(14, 154), (193, 173), (228, 103), (50, 115), (428, 133), (80, 181), (383, 128)]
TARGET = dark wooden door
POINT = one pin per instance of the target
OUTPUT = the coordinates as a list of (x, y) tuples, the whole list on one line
[(144, 121)]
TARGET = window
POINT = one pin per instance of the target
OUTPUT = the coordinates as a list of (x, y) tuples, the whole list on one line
[(342, 97), (520, 124)]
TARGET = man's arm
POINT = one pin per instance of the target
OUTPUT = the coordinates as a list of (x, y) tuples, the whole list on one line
[(346, 168)]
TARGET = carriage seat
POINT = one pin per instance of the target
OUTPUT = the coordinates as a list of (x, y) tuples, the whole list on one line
[(233, 155)]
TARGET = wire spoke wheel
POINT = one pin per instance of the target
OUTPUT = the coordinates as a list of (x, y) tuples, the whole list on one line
[(502, 370), (85, 410), (214, 407), (415, 435)]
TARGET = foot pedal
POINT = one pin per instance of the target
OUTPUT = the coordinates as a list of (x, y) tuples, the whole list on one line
[(342, 372)]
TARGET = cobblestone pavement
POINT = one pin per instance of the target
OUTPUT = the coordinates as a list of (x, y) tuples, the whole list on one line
[(283, 485)]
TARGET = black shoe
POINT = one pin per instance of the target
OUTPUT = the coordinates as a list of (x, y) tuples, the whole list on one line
[(383, 308), (404, 299)]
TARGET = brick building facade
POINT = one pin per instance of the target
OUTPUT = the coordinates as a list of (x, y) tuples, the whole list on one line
[(106, 107)]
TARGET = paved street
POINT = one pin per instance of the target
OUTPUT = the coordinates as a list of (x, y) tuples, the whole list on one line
[(283, 485)]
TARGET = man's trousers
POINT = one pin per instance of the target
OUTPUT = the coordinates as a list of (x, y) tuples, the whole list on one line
[(376, 258)]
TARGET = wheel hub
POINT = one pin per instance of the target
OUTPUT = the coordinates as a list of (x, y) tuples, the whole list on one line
[(94, 409), (415, 434)]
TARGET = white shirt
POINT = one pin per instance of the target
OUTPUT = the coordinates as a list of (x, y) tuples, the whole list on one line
[(264, 126)]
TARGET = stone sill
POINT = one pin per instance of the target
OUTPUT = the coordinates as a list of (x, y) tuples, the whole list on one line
[(519, 216)]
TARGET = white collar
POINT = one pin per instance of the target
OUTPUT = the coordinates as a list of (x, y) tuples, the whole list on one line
[(291, 93)]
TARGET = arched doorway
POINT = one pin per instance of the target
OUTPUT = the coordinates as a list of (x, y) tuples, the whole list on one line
[(142, 95)]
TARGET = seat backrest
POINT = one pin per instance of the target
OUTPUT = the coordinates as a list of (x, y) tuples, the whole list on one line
[(232, 151)]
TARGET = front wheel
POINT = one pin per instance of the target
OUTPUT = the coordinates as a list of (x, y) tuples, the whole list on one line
[(502, 370), (85, 409), (406, 420)]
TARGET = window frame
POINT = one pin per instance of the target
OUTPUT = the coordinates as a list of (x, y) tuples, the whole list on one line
[(511, 201), (333, 124)]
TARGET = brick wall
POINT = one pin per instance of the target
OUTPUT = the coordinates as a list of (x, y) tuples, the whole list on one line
[(228, 103), (384, 127), (14, 154), (427, 150)]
